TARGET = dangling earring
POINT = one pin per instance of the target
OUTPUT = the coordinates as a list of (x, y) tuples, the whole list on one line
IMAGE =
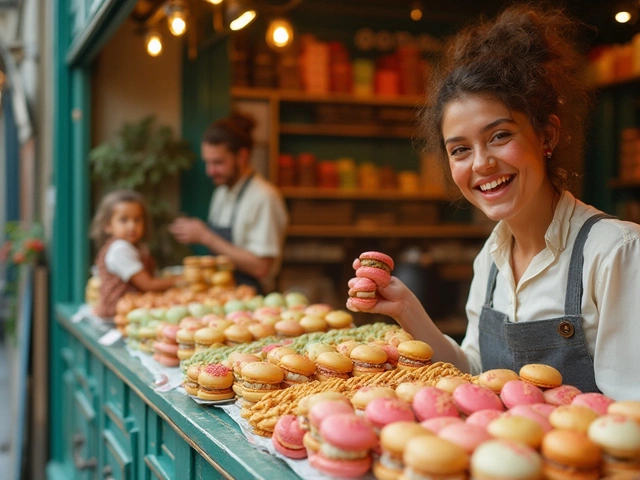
[(548, 152)]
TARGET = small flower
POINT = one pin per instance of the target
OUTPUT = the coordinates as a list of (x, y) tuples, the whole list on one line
[(34, 244)]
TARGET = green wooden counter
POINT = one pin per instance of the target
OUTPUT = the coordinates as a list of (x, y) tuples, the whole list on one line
[(113, 425)]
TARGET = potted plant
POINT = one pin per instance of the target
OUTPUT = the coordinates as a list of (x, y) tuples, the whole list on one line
[(143, 157)]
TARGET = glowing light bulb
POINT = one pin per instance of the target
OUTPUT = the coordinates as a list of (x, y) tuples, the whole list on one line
[(623, 17), (177, 23), (215, 2), (416, 14), (279, 34), (154, 44), (243, 20)]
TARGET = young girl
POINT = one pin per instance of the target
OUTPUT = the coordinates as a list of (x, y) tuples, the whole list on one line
[(557, 281), (124, 264)]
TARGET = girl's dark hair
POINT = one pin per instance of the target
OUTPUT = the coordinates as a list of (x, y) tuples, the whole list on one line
[(104, 213), (235, 131), (527, 58)]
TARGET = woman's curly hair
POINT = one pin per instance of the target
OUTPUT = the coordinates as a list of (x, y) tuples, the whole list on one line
[(528, 59)]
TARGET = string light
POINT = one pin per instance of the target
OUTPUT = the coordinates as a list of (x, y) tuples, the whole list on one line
[(279, 34), (177, 17), (154, 43), (623, 17), (240, 13)]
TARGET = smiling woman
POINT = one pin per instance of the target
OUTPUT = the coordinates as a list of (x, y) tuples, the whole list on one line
[(550, 284)]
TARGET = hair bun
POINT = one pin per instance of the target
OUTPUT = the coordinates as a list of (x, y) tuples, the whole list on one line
[(242, 122)]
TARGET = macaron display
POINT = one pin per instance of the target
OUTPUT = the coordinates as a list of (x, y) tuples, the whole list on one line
[(375, 266), (287, 437), (517, 429), (572, 417), (465, 435), (496, 378), (619, 438), (561, 395), (333, 365)]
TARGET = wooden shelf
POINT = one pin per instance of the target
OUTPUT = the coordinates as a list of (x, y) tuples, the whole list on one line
[(389, 231), (338, 194), (335, 98), (625, 183), (346, 130)]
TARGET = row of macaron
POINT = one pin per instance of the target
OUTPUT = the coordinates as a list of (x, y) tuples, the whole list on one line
[(488, 443), (193, 334), (281, 367)]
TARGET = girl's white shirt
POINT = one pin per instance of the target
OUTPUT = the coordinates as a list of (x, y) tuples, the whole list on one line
[(123, 260), (610, 300)]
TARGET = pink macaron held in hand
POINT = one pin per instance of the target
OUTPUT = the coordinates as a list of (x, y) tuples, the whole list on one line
[(375, 266), (470, 398), (362, 293)]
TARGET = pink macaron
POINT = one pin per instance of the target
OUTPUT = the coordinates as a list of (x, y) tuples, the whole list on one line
[(383, 411), (530, 412), (349, 441), (518, 392), (166, 360), (482, 418), (431, 402), (470, 398), (562, 395), (362, 293), (595, 401), (287, 437), (466, 435), (166, 348), (436, 424), (375, 266), (543, 409), (323, 410)]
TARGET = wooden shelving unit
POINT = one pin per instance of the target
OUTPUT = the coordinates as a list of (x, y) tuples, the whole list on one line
[(332, 98), (312, 193), (625, 183), (389, 231), (346, 130)]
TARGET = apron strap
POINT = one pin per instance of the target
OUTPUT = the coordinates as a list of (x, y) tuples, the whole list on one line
[(239, 197), (573, 297), (491, 285)]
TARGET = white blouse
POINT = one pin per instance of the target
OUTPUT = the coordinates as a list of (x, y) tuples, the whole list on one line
[(611, 291), (260, 222)]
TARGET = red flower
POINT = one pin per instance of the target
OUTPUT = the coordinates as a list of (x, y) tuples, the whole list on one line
[(18, 258), (34, 244)]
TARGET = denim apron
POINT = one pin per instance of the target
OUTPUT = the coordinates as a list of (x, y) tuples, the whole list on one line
[(227, 233), (559, 342)]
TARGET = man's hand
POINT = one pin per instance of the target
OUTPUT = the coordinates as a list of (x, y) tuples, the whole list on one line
[(189, 230)]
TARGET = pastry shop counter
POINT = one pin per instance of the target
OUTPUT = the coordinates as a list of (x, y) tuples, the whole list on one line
[(108, 420)]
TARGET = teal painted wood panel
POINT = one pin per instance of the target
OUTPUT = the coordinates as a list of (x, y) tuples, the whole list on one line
[(206, 84), (138, 433)]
